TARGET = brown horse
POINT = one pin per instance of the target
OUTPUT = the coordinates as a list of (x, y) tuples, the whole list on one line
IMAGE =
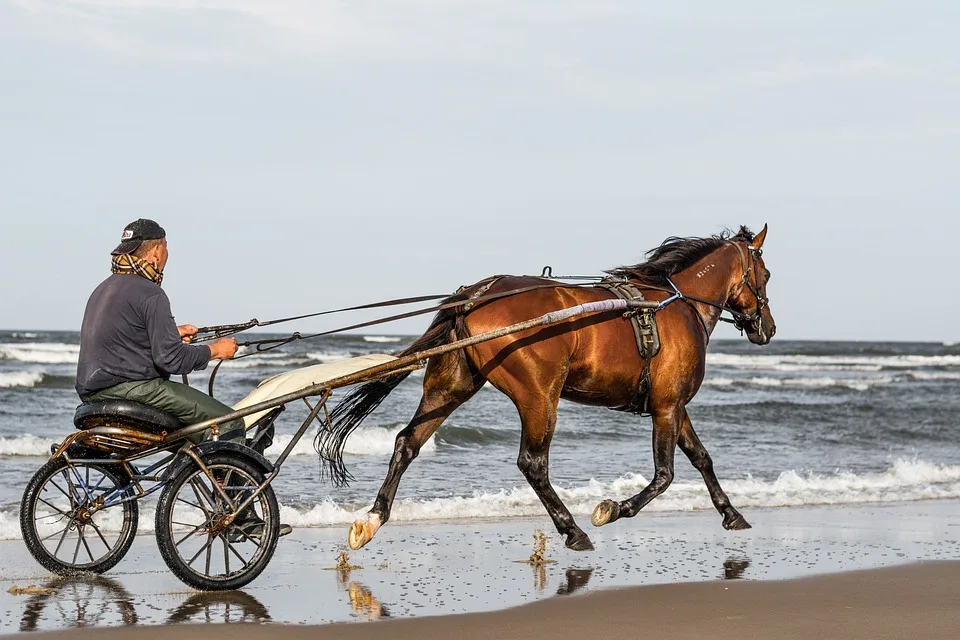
[(590, 360)]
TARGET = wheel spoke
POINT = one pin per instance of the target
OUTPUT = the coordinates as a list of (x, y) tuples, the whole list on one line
[(226, 554), (76, 551), (64, 532), (196, 490), (55, 508), (195, 506), (191, 534), (71, 498), (242, 561), (87, 545), (97, 529), (209, 555), (202, 549)]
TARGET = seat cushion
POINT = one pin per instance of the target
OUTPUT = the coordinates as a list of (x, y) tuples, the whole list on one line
[(126, 413)]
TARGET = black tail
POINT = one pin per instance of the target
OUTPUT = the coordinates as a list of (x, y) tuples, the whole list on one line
[(361, 402)]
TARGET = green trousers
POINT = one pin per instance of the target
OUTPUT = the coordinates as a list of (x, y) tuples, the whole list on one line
[(189, 405)]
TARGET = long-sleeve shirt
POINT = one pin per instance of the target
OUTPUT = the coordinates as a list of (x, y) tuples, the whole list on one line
[(129, 334)]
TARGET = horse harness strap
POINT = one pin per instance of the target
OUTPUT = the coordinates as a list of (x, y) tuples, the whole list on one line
[(644, 323)]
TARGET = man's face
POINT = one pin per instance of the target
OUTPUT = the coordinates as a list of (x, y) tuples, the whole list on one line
[(162, 254)]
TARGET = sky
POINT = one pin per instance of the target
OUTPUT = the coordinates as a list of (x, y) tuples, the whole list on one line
[(309, 154)]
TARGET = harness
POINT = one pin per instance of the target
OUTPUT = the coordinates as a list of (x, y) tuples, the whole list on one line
[(644, 323)]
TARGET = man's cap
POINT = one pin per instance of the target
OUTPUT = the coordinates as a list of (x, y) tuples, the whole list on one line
[(135, 233)]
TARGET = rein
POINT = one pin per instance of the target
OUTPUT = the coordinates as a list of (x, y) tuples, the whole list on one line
[(740, 320)]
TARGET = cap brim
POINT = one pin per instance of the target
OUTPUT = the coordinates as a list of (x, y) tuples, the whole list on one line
[(126, 247)]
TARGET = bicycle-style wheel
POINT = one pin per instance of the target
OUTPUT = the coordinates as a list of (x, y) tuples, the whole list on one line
[(193, 537), (78, 517)]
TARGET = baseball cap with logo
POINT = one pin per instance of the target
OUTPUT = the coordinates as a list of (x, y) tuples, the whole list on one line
[(135, 233)]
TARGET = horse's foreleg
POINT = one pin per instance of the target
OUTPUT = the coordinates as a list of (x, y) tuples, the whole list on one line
[(447, 384), (534, 462), (690, 444), (666, 428)]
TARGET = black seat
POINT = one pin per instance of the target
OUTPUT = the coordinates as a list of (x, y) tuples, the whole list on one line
[(125, 413)]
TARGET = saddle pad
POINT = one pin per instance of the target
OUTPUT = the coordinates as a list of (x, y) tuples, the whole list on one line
[(290, 381)]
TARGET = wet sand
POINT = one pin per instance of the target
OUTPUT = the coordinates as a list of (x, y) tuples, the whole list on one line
[(712, 582)]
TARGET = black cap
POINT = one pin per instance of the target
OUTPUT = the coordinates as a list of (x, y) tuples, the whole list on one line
[(135, 233)]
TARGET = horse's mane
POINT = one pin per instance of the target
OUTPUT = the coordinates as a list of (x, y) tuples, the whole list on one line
[(674, 255)]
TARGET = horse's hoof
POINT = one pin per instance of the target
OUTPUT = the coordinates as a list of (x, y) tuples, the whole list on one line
[(736, 523), (362, 531), (579, 542), (605, 513)]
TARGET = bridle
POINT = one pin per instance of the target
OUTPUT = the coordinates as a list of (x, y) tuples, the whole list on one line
[(742, 321), (748, 261)]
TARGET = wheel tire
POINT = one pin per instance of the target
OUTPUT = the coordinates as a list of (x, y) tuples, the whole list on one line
[(44, 493), (188, 510)]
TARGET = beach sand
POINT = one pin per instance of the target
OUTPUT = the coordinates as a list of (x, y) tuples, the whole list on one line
[(712, 583)]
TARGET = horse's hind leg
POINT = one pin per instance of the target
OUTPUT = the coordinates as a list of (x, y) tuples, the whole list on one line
[(447, 383), (539, 420), (690, 444)]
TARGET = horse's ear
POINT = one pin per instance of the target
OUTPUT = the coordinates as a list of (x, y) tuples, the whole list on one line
[(759, 238)]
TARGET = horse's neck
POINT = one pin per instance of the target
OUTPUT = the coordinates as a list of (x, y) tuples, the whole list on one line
[(711, 279)]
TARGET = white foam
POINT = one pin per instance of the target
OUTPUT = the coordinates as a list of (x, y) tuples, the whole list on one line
[(365, 441), (381, 339), (41, 352), (29, 335), (859, 384), (776, 362), (328, 357), (11, 379), (25, 445), (904, 481)]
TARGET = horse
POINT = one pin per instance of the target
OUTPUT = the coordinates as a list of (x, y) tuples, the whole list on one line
[(593, 360)]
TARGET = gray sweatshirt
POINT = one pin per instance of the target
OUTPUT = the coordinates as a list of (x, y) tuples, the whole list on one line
[(128, 334)]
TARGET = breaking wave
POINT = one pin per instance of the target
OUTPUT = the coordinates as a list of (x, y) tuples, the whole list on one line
[(40, 352), (904, 481)]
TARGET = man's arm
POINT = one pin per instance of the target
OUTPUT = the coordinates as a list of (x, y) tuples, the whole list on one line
[(170, 354)]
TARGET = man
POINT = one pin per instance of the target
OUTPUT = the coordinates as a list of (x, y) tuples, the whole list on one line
[(130, 344)]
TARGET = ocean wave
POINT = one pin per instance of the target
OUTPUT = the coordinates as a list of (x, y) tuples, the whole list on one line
[(839, 362), (857, 384), (35, 379), (25, 445), (41, 352), (382, 339), (904, 481), (29, 335), (365, 441), (12, 379)]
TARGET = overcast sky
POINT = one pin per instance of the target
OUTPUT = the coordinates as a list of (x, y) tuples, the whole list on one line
[(308, 154)]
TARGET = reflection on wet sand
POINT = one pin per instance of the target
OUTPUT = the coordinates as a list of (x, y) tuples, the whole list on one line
[(88, 601), (733, 568), (576, 579), (364, 603), (220, 607)]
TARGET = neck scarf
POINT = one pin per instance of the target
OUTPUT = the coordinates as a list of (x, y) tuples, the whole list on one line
[(128, 263)]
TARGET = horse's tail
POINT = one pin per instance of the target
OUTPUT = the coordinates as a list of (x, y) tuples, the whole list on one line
[(361, 402)]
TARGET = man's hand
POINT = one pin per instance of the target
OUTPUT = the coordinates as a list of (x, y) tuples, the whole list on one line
[(187, 331), (223, 349)]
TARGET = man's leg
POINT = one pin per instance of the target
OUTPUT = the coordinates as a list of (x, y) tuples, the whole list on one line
[(189, 405)]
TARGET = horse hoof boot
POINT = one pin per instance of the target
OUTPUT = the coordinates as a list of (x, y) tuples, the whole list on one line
[(579, 542), (736, 523), (362, 531), (605, 513)]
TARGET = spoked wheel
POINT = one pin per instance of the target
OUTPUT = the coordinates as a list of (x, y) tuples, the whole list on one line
[(74, 517), (194, 539)]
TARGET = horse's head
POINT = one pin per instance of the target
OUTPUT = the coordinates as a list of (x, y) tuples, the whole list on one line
[(748, 295)]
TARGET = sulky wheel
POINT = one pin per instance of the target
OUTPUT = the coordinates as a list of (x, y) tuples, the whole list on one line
[(195, 540), (78, 517)]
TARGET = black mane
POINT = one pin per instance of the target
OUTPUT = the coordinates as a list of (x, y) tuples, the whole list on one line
[(674, 255)]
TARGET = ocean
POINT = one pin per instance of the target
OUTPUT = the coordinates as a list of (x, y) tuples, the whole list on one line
[(789, 424)]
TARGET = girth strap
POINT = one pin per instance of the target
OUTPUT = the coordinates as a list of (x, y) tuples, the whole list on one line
[(644, 323)]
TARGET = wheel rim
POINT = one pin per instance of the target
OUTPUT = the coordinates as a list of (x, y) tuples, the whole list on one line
[(78, 518), (205, 543)]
